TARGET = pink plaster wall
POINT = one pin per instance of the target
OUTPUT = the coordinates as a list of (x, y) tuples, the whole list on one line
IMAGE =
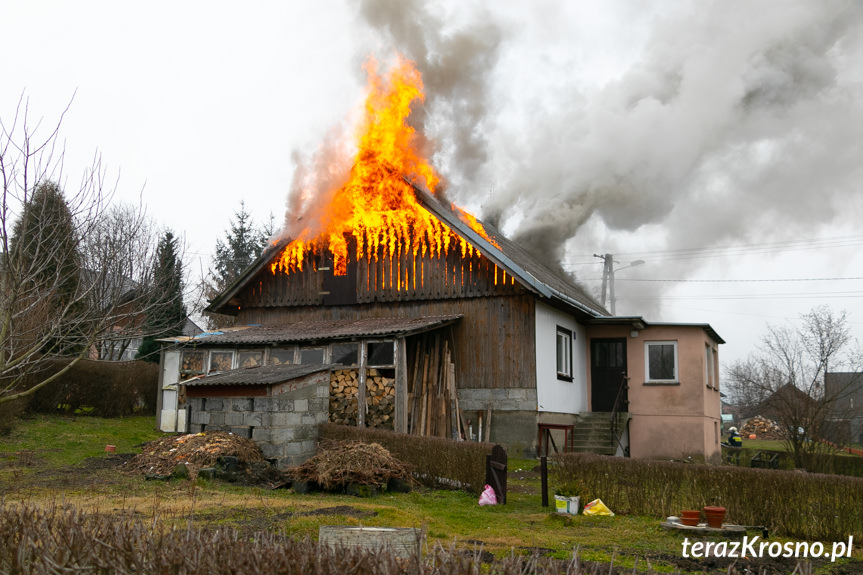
[(670, 421)]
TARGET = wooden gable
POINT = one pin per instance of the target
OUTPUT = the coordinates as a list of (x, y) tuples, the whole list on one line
[(403, 277)]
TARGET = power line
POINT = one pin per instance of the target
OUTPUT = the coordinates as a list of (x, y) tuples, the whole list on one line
[(732, 251), (778, 280)]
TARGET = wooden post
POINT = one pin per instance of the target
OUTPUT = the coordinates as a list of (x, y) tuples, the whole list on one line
[(543, 472), (361, 386), (401, 397)]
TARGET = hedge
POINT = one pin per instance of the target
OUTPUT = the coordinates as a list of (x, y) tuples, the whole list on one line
[(791, 503), (437, 462)]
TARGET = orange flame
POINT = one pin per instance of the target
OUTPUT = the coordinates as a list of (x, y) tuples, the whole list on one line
[(377, 207)]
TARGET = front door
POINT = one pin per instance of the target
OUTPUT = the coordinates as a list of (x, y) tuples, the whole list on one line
[(607, 372)]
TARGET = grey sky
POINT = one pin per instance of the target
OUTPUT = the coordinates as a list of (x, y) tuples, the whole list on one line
[(579, 128)]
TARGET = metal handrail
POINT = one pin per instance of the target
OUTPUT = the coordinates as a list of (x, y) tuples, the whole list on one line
[(618, 403)]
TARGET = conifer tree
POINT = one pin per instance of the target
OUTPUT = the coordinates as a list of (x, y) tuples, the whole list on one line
[(167, 314)]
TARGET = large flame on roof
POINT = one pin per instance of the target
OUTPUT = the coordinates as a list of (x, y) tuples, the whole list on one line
[(377, 206)]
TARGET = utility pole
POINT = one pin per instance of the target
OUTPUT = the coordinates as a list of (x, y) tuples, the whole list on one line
[(608, 278), (607, 271)]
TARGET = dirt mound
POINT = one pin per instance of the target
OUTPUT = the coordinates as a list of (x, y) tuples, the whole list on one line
[(196, 450), (341, 463)]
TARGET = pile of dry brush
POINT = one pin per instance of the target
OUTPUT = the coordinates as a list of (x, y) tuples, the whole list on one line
[(340, 463), (195, 450)]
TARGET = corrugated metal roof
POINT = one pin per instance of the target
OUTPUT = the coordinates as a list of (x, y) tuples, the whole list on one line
[(259, 375), (319, 330)]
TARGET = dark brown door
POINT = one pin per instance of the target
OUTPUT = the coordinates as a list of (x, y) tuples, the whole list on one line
[(607, 370)]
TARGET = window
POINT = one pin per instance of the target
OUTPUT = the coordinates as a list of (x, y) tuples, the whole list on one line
[(281, 356), (191, 364), (564, 354), (312, 355), (346, 354), (661, 362), (250, 358), (708, 366), (221, 360), (381, 353)]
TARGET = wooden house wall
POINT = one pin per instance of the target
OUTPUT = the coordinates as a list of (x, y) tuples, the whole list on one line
[(493, 343), (403, 277)]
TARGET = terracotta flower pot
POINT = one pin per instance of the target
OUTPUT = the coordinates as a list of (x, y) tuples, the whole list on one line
[(690, 517), (715, 516)]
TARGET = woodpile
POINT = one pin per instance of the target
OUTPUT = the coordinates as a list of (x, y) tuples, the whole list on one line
[(380, 398), (432, 401), (762, 428)]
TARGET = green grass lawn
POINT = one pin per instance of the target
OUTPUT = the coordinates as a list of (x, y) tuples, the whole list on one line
[(54, 441), (47, 459)]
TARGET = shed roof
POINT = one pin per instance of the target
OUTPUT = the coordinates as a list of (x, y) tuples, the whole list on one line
[(259, 375), (319, 330)]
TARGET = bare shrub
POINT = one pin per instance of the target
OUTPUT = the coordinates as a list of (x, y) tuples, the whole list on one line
[(109, 389)]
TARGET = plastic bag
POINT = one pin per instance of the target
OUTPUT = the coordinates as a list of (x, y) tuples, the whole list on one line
[(488, 497), (597, 507)]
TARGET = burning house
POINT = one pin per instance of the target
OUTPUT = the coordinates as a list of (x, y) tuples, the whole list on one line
[(430, 322)]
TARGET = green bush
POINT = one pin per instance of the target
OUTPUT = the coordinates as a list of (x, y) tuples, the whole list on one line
[(437, 462), (103, 388), (817, 462), (791, 503)]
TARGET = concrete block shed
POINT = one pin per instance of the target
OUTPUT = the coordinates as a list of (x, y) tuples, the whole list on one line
[(278, 406)]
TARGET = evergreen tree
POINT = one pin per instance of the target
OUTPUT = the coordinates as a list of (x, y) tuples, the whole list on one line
[(44, 249), (243, 244), (167, 314)]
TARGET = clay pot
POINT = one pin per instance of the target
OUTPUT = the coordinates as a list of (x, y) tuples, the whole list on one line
[(690, 517), (714, 516)]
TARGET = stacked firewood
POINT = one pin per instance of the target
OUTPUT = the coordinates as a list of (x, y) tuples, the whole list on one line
[(343, 396), (380, 398), (762, 428)]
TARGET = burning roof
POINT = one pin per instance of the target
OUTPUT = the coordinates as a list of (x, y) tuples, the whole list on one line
[(386, 211)]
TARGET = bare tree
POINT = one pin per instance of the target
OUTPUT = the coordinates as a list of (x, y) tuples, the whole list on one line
[(119, 255), (48, 308), (784, 379)]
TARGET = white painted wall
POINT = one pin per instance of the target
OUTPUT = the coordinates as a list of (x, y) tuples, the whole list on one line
[(553, 394)]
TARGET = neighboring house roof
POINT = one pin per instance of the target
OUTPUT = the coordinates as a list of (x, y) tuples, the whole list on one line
[(639, 323), (533, 275), (321, 330), (259, 375), (191, 329)]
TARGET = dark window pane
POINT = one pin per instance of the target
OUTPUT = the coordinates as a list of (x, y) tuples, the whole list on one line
[(312, 356), (381, 353), (661, 361), (346, 353)]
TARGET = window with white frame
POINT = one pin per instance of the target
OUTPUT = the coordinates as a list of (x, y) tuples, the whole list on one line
[(564, 354), (660, 364), (709, 373)]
